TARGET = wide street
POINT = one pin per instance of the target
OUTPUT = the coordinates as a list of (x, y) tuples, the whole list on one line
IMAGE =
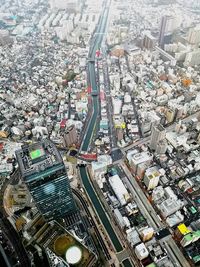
[(141, 200), (174, 252)]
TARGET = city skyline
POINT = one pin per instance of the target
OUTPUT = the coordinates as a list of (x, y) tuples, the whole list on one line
[(100, 133)]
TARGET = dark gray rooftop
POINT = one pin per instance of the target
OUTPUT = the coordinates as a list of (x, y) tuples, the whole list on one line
[(37, 157)]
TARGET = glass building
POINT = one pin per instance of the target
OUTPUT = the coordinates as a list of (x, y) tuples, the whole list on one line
[(43, 171)]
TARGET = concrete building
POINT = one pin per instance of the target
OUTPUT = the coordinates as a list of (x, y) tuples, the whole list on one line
[(151, 178), (99, 167), (50, 235), (119, 189), (170, 115), (162, 31), (117, 105), (147, 234), (141, 251), (120, 134), (119, 218), (70, 136), (133, 237), (136, 159), (161, 147), (65, 30), (5, 38), (192, 58), (141, 168), (174, 219), (166, 56), (157, 134), (149, 41), (194, 35), (182, 230), (170, 206)]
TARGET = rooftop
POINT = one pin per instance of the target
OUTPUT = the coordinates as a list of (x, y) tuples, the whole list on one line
[(62, 243), (37, 157)]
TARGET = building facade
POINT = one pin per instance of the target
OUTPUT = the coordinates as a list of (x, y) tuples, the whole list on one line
[(158, 133), (151, 178), (70, 136), (149, 41), (168, 25), (43, 171)]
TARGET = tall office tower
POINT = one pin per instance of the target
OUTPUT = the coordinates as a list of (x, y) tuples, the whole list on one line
[(161, 147), (162, 31), (168, 25), (148, 41), (43, 171), (194, 35), (157, 134)]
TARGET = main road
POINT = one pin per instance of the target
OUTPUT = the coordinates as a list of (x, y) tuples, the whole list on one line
[(141, 200)]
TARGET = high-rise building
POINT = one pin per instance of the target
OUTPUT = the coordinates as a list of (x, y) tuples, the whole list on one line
[(194, 35), (157, 134), (195, 4), (149, 41), (43, 171), (161, 147), (162, 31), (168, 25), (192, 58)]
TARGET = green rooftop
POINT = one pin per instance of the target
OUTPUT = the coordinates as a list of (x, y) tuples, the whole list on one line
[(151, 265), (197, 233), (189, 237), (193, 210), (35, 154), (196, 258)]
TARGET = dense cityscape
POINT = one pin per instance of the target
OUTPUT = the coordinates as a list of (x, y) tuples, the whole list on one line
[(100, 133)]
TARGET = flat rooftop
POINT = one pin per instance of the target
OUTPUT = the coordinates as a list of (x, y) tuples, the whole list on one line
[(61, 242), (37, 157), (160, 127)]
